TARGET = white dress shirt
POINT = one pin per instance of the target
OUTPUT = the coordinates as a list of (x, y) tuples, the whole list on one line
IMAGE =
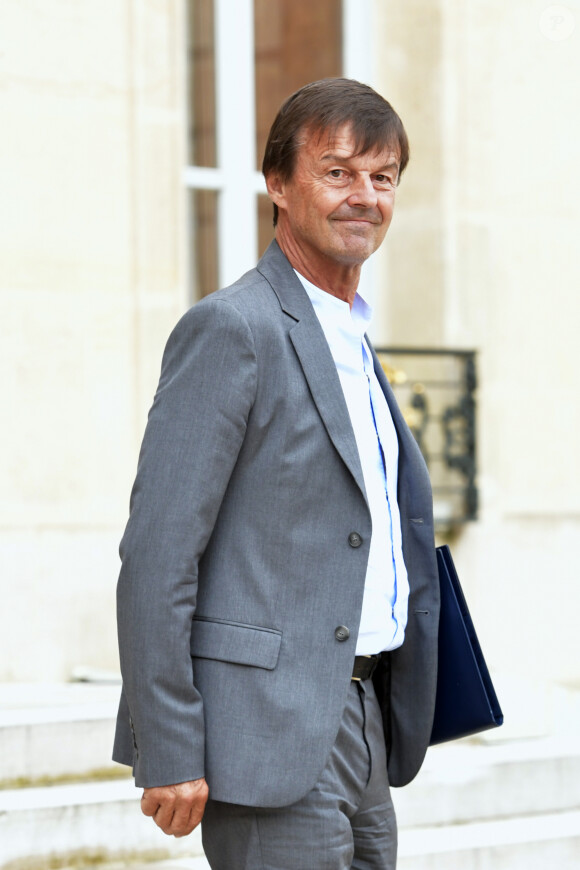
[(384, 610)]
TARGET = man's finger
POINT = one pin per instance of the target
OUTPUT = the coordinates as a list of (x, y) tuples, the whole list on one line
[(149, 803), (193, 809), (159, 804), (163, 818), (196, 814), (181, 824)]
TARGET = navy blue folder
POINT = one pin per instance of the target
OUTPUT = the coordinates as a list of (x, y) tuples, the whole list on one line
[(466, 702)]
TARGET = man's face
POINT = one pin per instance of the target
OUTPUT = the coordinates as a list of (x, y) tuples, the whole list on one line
[(337, 207)]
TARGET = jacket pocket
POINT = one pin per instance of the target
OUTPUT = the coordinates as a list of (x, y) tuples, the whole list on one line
[(235, 642)]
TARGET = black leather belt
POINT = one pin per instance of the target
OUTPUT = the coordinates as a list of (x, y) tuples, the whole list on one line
[(364, 667)]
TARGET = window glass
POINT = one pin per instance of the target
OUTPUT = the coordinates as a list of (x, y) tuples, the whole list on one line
[(265, 226), (201, 84), (296, 42), (203, 241)]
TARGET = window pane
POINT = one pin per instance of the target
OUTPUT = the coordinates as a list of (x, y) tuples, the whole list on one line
[(297, 41), (203, 242), (201, 51)]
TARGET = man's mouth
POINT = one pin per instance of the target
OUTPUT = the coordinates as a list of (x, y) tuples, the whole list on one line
[(359, 223), (357, 219)]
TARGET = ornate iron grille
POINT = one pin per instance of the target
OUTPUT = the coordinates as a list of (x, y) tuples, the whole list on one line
[(435, 390)]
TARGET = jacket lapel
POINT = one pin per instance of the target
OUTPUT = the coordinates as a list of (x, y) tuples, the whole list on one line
[(320, 372), (315, 357)]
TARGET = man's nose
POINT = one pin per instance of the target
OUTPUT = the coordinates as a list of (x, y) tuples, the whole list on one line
[(362, 193)]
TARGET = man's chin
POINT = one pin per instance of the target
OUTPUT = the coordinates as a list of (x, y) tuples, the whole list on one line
[(357, 250)]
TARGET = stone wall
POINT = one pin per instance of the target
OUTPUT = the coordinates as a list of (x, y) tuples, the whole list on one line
[(91, 279), (483, 254)]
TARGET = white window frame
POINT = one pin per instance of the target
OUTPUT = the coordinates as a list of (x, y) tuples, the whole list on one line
[(235, 179)]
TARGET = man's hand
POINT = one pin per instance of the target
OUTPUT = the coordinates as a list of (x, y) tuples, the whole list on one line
[(177, 809)]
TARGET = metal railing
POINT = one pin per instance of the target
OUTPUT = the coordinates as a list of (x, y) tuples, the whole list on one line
[(435, 390)]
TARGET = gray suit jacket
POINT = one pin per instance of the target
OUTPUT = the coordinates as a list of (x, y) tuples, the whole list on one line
[(237, 566)]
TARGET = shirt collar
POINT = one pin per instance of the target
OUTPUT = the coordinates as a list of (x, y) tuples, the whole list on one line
[(334, 311)]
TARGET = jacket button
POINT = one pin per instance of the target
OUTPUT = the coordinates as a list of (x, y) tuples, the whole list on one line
[(354, 539), (341, 633)]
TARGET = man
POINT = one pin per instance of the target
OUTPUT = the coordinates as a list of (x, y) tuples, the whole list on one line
[(278, 565)]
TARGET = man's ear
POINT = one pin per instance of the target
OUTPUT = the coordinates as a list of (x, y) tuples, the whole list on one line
[(276, 189)]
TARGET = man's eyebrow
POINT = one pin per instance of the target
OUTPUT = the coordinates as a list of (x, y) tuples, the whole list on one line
[(393, 165)]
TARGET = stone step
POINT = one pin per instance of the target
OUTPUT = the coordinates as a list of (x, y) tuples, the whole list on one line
[(471, 806), (82, 825), (534, 843), (56, 730), (538, 842), (473, 780), (475, 805), (479, 805), (60, 730)]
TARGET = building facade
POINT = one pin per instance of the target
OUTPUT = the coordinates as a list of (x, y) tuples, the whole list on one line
[(129, 158)]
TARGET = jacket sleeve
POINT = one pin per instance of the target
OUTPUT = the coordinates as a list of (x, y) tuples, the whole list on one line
[(195, 429)]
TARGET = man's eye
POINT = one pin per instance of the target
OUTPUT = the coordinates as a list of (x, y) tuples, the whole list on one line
[(385, 180), (336, 173)]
